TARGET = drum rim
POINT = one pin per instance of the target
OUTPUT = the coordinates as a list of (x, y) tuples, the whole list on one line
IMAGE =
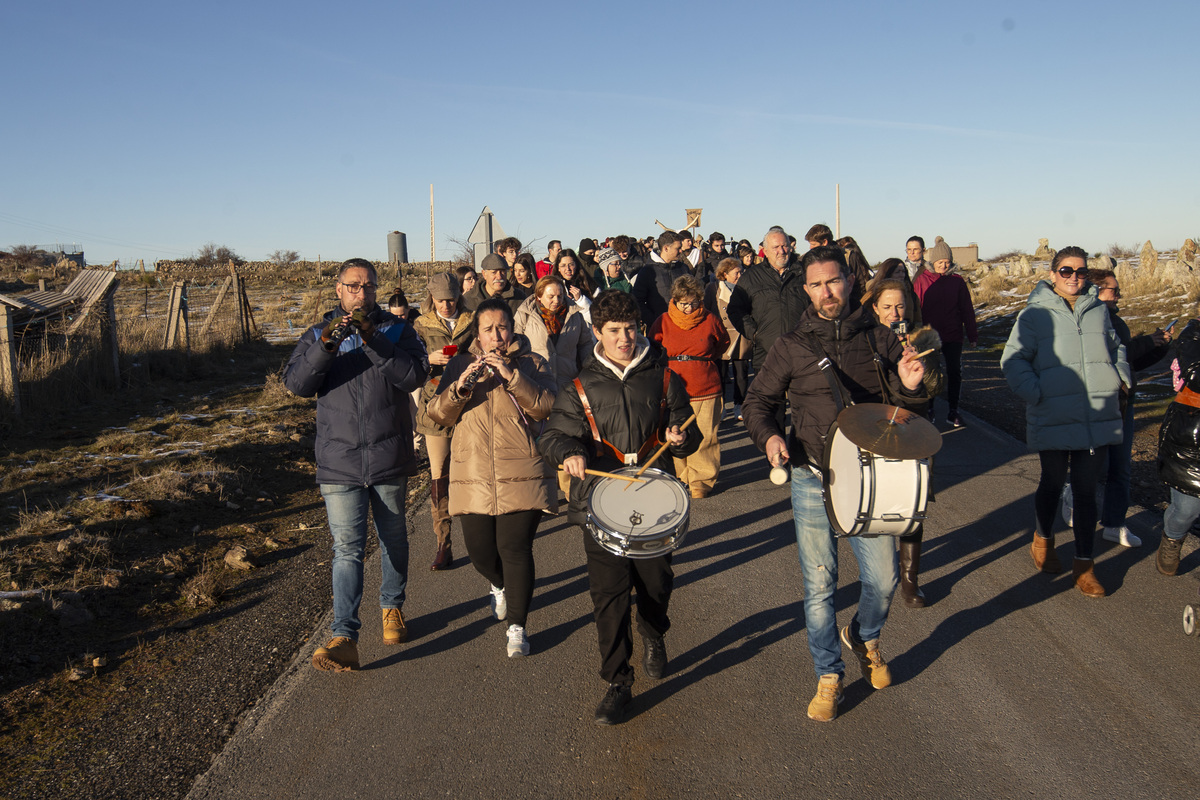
[(600, 532)]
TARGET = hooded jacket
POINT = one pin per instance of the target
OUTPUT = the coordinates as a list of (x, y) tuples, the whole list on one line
[(364, 430), (627, 413), (495, 466), (790, 374), (1068, 365), (652, 286), (565, 352), (1179, 436), (436, 336)]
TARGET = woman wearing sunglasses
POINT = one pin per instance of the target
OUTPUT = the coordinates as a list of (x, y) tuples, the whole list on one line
[(1063, 358)]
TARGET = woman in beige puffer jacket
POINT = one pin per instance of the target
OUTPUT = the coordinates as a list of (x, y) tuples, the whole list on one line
[(496, 395)]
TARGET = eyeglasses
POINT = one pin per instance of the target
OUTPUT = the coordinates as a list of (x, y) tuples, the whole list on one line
[(1066, 272), (355, 288), (686, 304)]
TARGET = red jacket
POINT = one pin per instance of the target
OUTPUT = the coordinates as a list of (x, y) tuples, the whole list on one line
[(946, 305), (543, 268), (708, 341)]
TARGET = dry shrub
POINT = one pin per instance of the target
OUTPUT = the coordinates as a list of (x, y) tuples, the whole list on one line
[(990, 286), (1122, 251), (274, 393), (206, 588), (1007, 255)]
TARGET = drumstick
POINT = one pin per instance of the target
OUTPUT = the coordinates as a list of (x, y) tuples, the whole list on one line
[(924, 353), (601, 474), (663, 449)]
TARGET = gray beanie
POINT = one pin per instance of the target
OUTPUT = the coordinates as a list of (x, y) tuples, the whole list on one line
[(938, 252), (606, 256)]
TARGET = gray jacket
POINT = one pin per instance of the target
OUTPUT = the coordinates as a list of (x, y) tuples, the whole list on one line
[(364, 429), (1068, 366)]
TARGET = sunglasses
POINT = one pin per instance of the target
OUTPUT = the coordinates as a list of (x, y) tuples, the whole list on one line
[(1067, 272)]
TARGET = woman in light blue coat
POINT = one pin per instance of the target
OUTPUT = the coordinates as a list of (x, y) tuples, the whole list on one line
[(1065, 361)]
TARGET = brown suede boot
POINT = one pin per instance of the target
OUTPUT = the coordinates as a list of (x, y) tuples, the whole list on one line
[(440, 510), (1167, 559), (1085, 578), (1044, 557), (910, 568)]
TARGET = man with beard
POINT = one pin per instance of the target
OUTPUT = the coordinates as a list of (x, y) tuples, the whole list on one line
[(849, 342)]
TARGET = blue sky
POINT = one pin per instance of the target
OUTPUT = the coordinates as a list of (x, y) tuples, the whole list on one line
[(144, 130)]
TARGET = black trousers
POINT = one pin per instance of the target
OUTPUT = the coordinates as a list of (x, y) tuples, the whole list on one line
[(610, 580), (501, 549), (952, 354), (740, 379), (1085, 467)]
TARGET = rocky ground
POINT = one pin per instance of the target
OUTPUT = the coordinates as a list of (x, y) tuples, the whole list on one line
[(188, 644)]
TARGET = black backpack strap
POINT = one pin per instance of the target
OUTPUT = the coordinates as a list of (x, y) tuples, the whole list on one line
[(841, 398)]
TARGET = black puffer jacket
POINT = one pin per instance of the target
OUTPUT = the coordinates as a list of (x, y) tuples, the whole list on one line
[(652, 286), (791, 372), (364, 429), (768, 305), (1140, 351), (627, 413), (1179, 436), (512, 294)]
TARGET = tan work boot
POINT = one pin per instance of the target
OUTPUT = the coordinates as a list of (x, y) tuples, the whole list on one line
[(874, 668), (1044, 557), (394, 629), (823, 707), (340, 655), (1085, 578)]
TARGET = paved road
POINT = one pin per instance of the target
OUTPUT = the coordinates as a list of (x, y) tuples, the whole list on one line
[(1011, 683)]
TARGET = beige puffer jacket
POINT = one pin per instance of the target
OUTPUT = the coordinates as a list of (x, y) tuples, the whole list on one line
[(495, 467), (435, 335), (574, 345)]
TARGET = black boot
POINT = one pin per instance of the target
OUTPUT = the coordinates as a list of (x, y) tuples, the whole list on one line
[(611, 710), (910, 567)]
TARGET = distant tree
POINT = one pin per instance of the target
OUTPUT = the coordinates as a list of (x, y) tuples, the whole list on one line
[(212, 255), (462, 252), (28, 256), (283, 258)]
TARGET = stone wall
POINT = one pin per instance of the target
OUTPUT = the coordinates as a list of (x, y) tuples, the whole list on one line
[(303, 272)]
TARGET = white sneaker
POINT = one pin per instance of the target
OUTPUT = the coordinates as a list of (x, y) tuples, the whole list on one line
[(1121, 535), (518, 645), (1068, 506), (499, 604)]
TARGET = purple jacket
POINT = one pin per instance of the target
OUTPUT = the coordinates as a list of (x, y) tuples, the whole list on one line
[(946, 305)]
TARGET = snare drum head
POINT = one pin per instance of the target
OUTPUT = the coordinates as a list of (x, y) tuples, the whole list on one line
[(658, 505), (844, 476)]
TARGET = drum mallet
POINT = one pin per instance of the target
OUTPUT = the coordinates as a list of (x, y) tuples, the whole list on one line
[(663, 449), (601, 474)]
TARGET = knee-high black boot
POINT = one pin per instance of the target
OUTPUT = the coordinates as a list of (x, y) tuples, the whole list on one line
[(910, 567)]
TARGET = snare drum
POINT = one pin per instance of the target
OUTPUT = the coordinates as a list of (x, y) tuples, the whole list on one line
[(869, 495), (642, 520)]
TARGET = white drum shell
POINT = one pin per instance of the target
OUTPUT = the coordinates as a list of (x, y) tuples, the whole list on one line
[(869, 495), (644, 520)]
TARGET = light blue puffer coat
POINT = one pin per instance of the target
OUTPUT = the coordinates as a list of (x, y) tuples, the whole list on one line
[(1067, 365)]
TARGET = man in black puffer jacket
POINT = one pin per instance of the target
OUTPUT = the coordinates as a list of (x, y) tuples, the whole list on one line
[(361, 363), (652, 283), (850, 340), (624, 385), (770, 298)]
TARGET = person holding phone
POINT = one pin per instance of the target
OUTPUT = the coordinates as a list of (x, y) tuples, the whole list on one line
[(1142, 352)]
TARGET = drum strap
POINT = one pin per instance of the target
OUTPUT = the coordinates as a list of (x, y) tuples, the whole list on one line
[(840, 398), (647, 447), (885, 391)]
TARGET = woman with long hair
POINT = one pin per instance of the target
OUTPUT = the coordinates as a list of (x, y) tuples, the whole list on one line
[(524, 272), (580, 289), (496, 395)]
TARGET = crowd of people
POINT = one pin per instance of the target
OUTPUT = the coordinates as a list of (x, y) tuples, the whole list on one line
[(529, 379)]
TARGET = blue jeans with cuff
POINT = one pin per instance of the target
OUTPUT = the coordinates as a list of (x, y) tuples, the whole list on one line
[(877, 569), (347, 507)]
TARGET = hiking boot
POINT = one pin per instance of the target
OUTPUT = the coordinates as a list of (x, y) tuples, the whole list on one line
[(443, 558), (823, 707), (1085, 578), (498, 603), (340, 655), (394, 629), (1044, 557), (654, 657), (1121, 535), (612, 708), (1167, 560), (874, 668), (518, 645)]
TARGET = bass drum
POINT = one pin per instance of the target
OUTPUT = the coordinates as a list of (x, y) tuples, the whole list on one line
[(869, 495), (642, 520)]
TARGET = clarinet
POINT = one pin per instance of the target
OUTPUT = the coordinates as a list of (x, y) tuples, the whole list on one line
[(470, 381)]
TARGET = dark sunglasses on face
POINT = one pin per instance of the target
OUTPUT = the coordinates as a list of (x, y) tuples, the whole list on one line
[(1066, 272)]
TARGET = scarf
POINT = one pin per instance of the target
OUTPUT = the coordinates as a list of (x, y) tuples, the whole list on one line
[(686, 321), (553, 319)]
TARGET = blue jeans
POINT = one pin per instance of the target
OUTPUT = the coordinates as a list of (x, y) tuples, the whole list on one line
[(1180, 515), (1116, 483), (818, 561), (346, 507)]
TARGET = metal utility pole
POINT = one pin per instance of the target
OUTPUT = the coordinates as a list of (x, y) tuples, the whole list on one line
[(837, 211)]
